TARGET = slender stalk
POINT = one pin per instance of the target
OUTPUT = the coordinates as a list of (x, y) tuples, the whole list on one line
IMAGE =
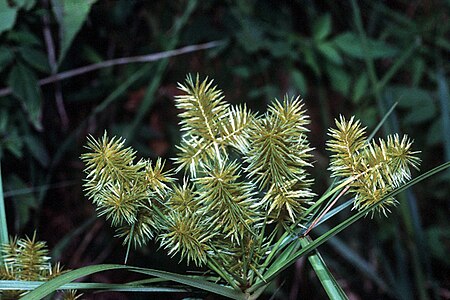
[(3, 221), (343, 225), (161, 67), (213, 265), (314, 223), (120, 61)]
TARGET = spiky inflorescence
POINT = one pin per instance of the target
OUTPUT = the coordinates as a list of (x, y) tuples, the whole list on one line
[(227, 203), (108, 160), (377, 168), (277, 156), (203, 108), (124, 191), (209, 124), (26, 259), (182, 199), (142, 230), (187, 235), (243, 169), (156, 178)]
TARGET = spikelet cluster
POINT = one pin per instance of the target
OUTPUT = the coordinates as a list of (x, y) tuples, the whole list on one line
[(277, 157), (123, 190), (377, 167), (241, 171), (28, 259)]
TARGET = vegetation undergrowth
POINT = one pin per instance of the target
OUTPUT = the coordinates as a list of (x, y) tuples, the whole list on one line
[(243, 203), (239, 203)]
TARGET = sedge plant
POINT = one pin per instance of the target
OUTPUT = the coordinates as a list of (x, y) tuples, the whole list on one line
[(239, 201), (27, 260)]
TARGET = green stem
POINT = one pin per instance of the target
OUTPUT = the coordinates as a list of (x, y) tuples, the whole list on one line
[(343, 225), (285, 238), (370, 65), (216, 268), (160, 69), (3, 221)]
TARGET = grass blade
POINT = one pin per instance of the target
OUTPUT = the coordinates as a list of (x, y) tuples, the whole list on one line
[(62, 281), (194, 282), (31, 285), (341, 226), (329, 283), (3, 221), (356, 261), (383, 120), (54, 284), (444, 100)]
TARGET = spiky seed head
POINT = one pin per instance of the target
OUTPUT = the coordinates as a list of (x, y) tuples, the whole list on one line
[(26, 259), (228, 201), (142, 230), (119, 203), (157, 178), (378, 167), (202, 107), (293, 198), (182, 199), (188, 236), (108, 160)]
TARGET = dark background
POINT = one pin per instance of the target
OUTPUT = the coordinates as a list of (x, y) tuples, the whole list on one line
[(343, 57)]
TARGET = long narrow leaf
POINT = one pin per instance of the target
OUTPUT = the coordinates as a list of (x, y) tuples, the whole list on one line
[(329, 283), (3, 223), (54, 284), (194, 282), (383, 120), (323, 238), (64, 279), (31, 285)]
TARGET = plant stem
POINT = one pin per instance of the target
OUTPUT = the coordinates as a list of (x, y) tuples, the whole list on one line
[(121, 61), (3, 221)]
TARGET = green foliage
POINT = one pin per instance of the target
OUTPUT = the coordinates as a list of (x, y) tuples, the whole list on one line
[(27, 259), (71, 15), (245, 185), (316, 50)]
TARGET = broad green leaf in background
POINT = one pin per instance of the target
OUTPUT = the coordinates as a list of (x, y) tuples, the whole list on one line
[(9, 136), (350, 44), (322, 27), (70, 15), (339, 78), (25, 4), (330, 52), (417, 102), (409, 97), (7, 16), (311, 60), (24, 85), (23, 37), (6, 56), (35, 58), (37, 149), (361, 85), (23, 203), (299, 81)]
